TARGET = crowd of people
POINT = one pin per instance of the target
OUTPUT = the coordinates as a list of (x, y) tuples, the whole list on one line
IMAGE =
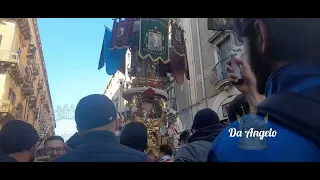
[(280, 79)]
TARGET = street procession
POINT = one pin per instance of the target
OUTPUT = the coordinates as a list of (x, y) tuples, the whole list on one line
[(165, 90)]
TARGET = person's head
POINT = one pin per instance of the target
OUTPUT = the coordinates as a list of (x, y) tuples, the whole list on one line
[(165, 150), (73, 141), (237, 107), (204, 118), (54, 146), (19, 140), (184, 136), (134, 135), (96, 112), (275, 42)]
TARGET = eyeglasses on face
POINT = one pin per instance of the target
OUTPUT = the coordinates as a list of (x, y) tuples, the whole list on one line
[(59, 150)]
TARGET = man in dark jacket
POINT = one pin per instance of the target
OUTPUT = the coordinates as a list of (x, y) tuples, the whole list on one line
[(285, 60), (73, 141), (18, 142), (184, 136), (96, 118), (206, 127), (6, 158)]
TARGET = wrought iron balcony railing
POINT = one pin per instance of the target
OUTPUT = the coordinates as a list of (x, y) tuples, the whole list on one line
[(220, 75)]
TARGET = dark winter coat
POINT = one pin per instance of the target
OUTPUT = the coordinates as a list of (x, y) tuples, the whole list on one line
[(199, 145), (6, 158), (102, 146)]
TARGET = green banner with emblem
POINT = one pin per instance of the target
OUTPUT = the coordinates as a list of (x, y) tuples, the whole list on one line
[(154, 39)]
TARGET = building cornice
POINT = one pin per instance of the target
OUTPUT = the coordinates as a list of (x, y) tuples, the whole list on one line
[(43, 65), (108, 84)]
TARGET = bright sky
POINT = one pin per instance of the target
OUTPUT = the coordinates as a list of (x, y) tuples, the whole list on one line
[(71, 48)]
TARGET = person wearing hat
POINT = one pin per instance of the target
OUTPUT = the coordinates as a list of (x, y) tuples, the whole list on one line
[(18, 142), (135, 136), (96, 119), (205, 128), (184, 136)]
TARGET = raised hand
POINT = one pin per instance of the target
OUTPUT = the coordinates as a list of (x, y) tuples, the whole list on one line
[(248, 84)]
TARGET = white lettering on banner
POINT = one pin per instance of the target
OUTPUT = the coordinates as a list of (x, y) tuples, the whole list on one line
[(252, 133)]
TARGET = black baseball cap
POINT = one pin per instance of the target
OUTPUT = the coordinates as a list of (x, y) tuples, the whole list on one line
[(94, 111)]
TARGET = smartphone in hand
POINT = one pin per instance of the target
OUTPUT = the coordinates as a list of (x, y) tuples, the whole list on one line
[(236, 53)]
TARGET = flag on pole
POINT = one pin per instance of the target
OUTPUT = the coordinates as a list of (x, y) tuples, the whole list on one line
[(111, 58), (122, 32)]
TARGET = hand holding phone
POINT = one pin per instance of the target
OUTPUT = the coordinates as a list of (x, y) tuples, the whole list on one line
[(247, 81)]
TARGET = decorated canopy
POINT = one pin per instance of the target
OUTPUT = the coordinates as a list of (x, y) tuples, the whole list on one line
[(153, 42)]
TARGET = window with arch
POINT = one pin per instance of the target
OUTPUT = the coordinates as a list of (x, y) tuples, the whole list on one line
[(19, 111)]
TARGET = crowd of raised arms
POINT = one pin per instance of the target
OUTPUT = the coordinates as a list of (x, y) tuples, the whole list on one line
[(280, 80)]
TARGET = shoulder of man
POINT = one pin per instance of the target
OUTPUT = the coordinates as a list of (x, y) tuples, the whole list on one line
[(186, 153), (135, 153), (223, 142), (6, 158), (226, 148)]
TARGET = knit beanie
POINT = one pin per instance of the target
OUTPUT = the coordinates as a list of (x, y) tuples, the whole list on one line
[(134, 135), (17, 136), (204, 118)]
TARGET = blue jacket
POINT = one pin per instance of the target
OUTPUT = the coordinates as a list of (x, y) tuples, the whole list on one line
[(287, 146), (102, 146), (6, 158)]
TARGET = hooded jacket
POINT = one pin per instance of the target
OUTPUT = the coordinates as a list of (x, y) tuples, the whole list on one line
[(288, 146)]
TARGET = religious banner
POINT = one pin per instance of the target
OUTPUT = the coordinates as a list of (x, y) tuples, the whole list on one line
[(136, 33), (121, 33), (154, 39), (178, 53), (177, 39)]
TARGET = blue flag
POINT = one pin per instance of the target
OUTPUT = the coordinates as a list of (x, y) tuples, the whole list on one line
[(112, 58)]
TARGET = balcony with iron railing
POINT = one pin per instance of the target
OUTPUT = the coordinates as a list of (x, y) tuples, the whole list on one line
[(220, 75), (18, 72)]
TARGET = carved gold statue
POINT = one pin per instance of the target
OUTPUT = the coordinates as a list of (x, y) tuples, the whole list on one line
[(148, 105)]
